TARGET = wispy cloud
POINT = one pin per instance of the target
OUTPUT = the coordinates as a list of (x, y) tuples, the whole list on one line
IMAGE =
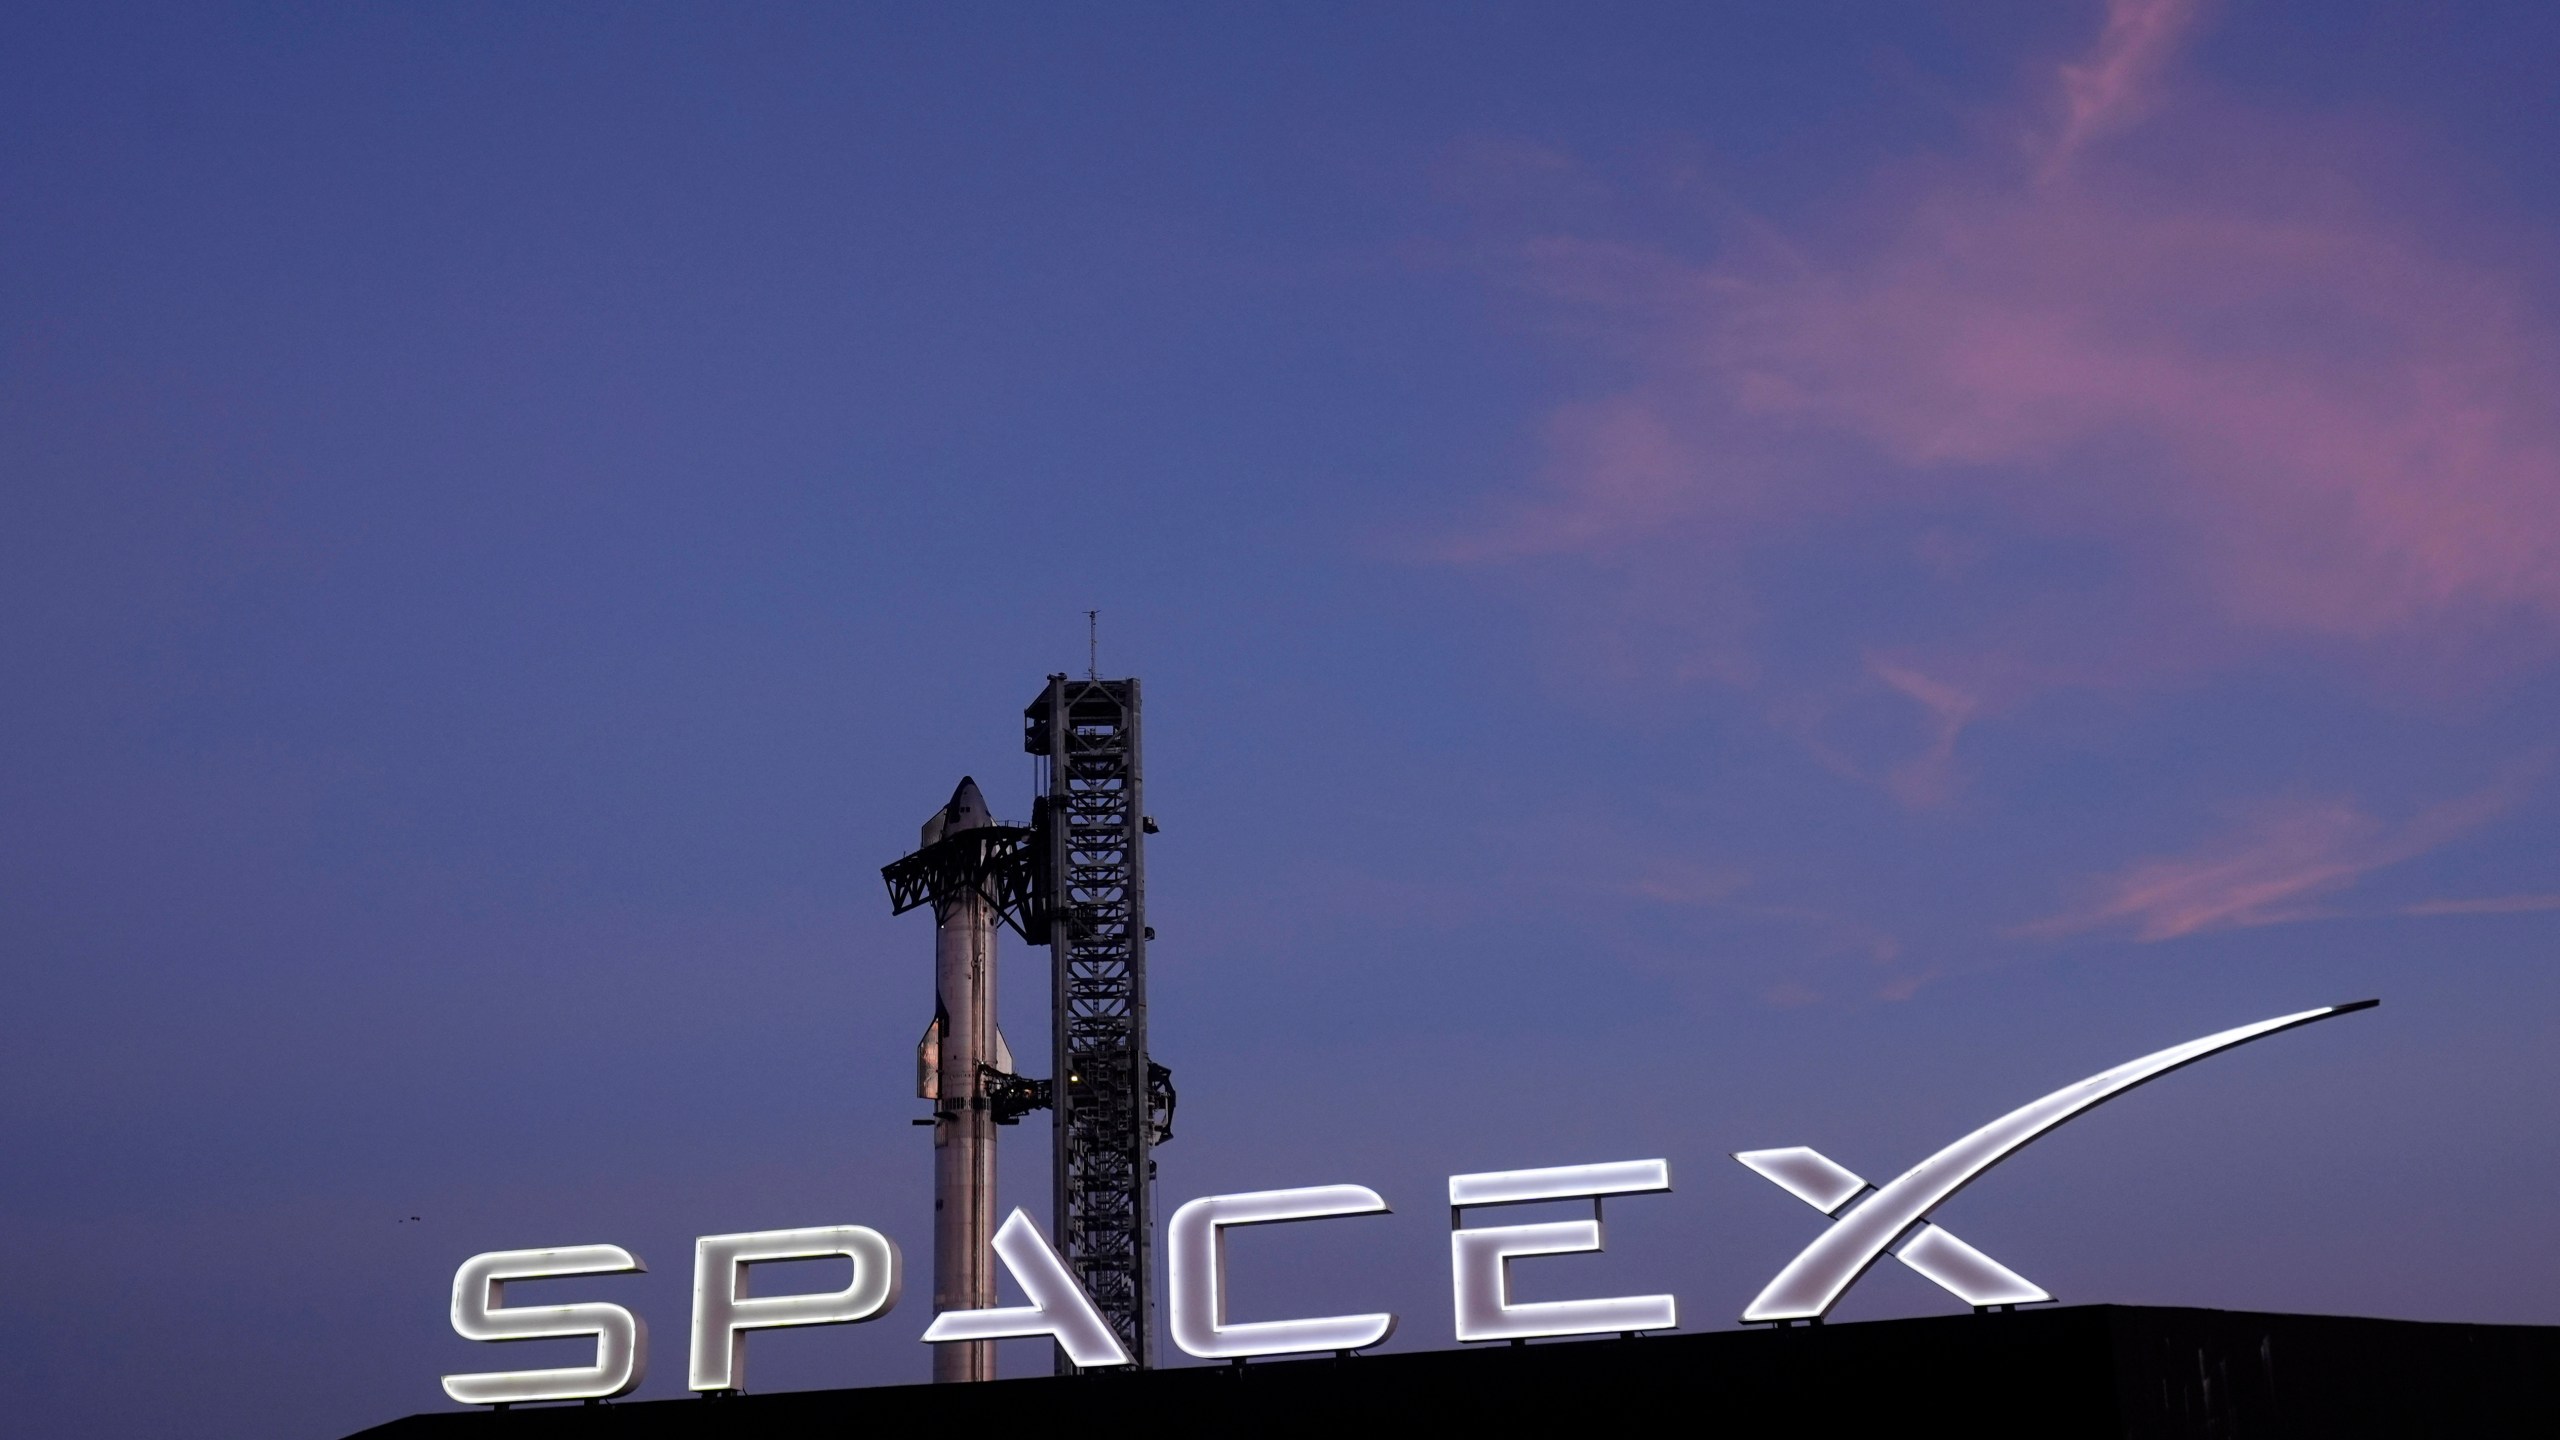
[(2279, 865), (2489, 905), (1673, 881), (2267, 872), (1932, 777), (2118, 84), (1825, 952), (2210, 351)]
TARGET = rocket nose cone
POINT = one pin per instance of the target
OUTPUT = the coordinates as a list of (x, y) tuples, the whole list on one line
[(967, 810)]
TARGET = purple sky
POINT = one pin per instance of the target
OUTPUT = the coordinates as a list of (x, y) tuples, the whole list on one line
[(1707, 577)]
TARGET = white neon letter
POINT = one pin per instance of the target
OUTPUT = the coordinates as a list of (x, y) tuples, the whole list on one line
[(480, 1313), (1951, 1264), (1059, 1307), (723, 1313), (1813, 1282), (1479, 1260), (1197, 1240)]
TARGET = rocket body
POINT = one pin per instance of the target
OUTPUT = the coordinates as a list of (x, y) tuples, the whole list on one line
[(964, 1130)]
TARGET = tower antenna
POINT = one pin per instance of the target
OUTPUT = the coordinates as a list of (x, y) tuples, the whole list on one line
[(1092, 645)]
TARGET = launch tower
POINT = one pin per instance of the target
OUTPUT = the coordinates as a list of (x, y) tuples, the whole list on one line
[(1075, 881), (1112, 1104)]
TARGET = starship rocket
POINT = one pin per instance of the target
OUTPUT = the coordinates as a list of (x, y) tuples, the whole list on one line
[(961, 1051)]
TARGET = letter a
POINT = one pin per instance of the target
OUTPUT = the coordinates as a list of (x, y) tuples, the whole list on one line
[(1059, 1307)]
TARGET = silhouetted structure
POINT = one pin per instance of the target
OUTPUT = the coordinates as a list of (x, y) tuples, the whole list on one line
[(1089, 906), (2120, 1372), (1075, 881)]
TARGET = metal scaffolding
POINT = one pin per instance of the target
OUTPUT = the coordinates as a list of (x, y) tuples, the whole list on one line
[(1088, 905)]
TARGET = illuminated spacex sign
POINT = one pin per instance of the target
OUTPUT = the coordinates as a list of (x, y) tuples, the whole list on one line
[(1868, 1223)]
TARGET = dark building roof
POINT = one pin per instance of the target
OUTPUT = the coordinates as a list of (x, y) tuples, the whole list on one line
[(2095, 1370)]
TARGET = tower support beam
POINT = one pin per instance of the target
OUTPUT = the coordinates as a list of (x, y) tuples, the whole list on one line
[(1088, 904)]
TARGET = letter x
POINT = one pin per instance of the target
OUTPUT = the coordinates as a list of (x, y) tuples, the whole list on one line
[(1872, 1221), (1958, 1268)]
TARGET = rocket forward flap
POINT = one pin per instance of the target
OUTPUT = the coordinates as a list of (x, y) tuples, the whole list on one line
[(1004, 1052), (929, 1060)]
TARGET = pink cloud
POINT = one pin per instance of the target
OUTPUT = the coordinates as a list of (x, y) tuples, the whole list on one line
[(2266, 873), (2276, 867), (2223, 351), (2490, 905), (2116, 85), (2330, 432), (1932, 777), (1673, 881)]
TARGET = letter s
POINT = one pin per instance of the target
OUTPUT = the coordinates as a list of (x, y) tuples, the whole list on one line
[(480, 1313)]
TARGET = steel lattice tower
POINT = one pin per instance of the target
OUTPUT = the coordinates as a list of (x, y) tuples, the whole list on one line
[(1111, 1104)]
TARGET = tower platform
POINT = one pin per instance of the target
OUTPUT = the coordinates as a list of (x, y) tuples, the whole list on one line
[(2074, 1371)]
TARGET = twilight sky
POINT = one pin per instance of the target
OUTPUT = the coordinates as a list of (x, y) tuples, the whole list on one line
[(1706, 576)]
